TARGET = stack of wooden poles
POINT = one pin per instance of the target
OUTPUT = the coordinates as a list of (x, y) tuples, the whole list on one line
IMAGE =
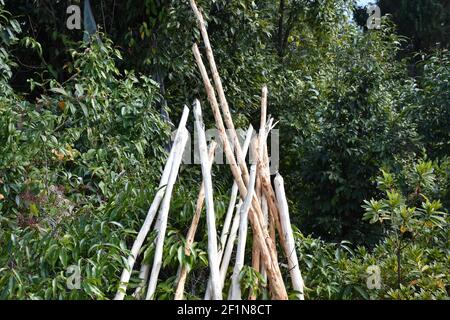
[(262, 204)]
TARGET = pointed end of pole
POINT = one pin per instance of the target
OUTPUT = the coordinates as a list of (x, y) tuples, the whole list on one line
[(198, 114), (197, 108), (184, 117), (249, 132), (264, 90), (279, 178)]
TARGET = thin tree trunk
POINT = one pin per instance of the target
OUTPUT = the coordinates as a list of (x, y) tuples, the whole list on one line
[(126, 273), (228, 218), (264, 173), (264, 205), (234, 190), (164, 212), (230, 244), (230, 210), (256, 254), (218, 84), (296, 276), (179, 292), (265, 210), (209, 202), (240, 251), (143, 275)]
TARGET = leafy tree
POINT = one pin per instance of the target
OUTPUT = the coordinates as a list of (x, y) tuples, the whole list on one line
[(433, 117), (424, 22), (412, 259), (348, 118), (77, 171), (416, 224)]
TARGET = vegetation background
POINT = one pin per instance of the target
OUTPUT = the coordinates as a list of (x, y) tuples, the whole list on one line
[(364, 137)]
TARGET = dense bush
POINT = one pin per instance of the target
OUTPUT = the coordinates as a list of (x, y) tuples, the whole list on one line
[(413, 258), (352, 118), (416, 250), (433, 117), (78, 168)]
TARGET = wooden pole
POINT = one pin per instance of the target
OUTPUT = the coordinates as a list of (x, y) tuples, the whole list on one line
[(230, 245), (234, 191), (179, 292), (296, 276), (256, 254), (265, 210), (218, 84), (226, 113), (126, 273), (164, 212), (231, 206), (229, 123), (209, 202), (267, 246), (263, 170), (240, 251), (143, 275), (262, 123)]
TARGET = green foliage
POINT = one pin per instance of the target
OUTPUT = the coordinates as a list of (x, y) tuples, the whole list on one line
[(413, 258), (252, 283), (82, 144), (417, 229), (349, 118), (424, 22), (9, 28), (77, 171), (433, 118)]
